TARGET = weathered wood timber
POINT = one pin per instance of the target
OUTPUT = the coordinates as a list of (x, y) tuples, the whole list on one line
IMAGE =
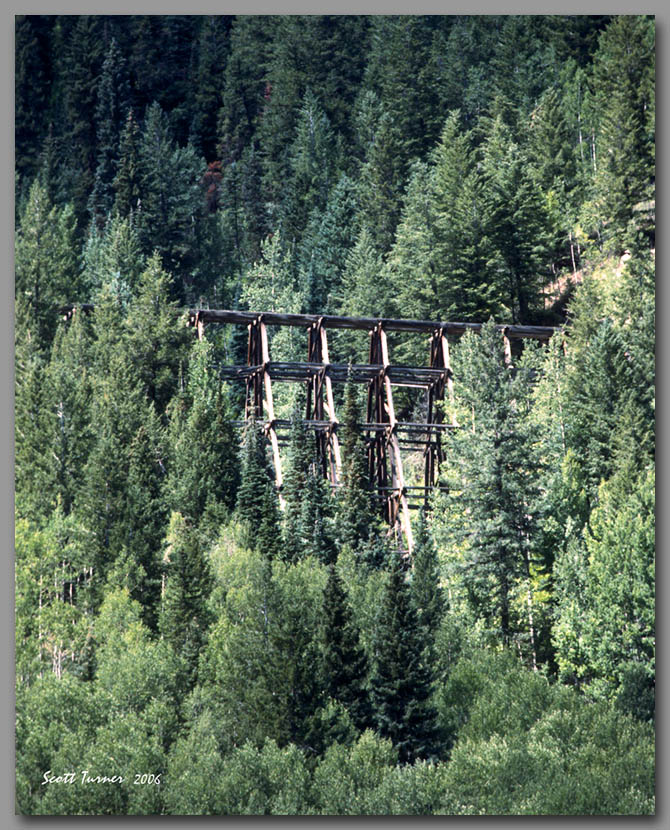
[(330, 321), (385, 437)]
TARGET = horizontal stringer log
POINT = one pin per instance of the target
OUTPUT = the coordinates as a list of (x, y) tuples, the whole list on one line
[(385, 436)]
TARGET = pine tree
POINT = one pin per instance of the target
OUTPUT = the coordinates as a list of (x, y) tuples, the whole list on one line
[(599, 390), (256, 507), (354, 513), (33, 78), (326, 242), (145, 514), (465, 285), (203, 473), (185, 616), (267, 538), (426, 592), (401, 683), (127, 182), (381, 176), (402, 74), (344, 663), (113, 256), (172, 215), (315, 525), (34, 482), (46, 263), (113, 99), (156, 343), (242, 93), (516, 221), (499, 471), (311, 169), (82, 64), (623, 78), (299, 458), (366, 287), (69, 393), (212, 52)]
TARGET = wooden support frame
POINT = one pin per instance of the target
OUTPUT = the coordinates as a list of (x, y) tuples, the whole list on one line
[(382, 428), (380, 401), (259, 392)]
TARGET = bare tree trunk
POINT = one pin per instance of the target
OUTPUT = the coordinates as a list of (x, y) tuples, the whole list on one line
[(572, 254)]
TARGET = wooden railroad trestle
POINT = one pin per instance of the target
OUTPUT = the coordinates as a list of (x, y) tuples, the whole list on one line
[(382, 429)]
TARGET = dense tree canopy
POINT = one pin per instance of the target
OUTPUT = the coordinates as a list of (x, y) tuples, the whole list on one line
[(247, 644)]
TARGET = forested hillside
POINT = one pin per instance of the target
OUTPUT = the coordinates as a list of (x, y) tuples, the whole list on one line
[(223, 652)]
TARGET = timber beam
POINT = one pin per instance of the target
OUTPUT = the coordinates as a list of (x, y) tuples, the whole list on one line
[(330, 321)]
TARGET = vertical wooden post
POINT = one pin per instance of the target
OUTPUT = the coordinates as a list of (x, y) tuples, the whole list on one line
[(398, 483), (200, 326), (376, 413), (508, 348), (269, 405), (333, 441), (450, 378)]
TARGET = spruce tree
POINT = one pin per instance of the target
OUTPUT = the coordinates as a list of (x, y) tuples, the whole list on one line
[(344, 662), (46, 263), (381, 179), (185, 616), (267, 538), (212, 51), (34, 481), (127, 184), (599, 390), (515, 220), (311, 169), (623, 80), (425, 588), (299, 458), (69, 393), (354, 513), (145, 514), (401, 682), (499, 471), (256, 497), (204, 471), (316, 533), (113, 99), (33, 79), (82, 64), (325, 245)]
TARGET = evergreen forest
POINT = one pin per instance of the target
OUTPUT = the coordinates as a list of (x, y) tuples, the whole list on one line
[(212, 646)]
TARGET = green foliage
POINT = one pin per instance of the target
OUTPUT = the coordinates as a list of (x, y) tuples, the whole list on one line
[(401, 681), (256, 497), (623, 79), (45, 257), (203, 475), (344, 661), (262, 651), (53, 626), (605, 635), (113, 96), (185, 615), (525, 747), (354, 511), (346, 780), (49, 713), (176, 614), (498, 488), (266, 781), (426, 592)]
